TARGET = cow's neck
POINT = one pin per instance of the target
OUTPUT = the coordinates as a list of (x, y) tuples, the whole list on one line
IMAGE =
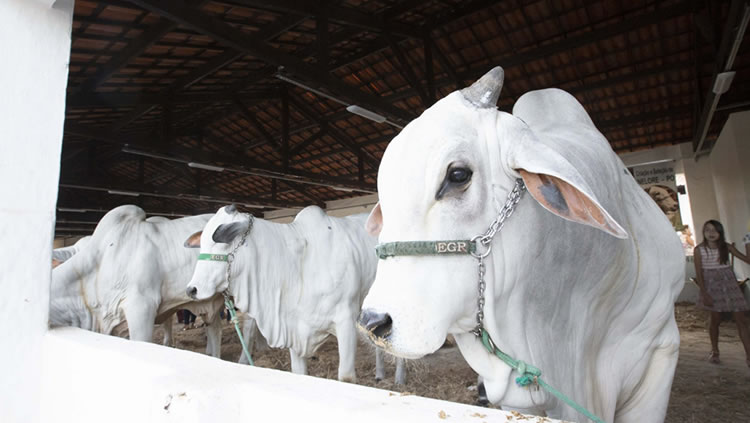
[(541, 304), (268, 284)]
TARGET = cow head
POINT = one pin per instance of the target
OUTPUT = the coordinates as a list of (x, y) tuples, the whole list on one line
[(219, 237), (445, 177)]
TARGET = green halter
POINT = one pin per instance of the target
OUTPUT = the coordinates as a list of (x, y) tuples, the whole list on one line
[(213, 257), (424, 248)]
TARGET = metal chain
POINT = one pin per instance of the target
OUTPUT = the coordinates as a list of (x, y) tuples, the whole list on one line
[(510, 205), (228, 298), (480, 303)]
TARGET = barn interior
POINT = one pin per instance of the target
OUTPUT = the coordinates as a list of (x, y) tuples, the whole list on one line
[(181, 107)]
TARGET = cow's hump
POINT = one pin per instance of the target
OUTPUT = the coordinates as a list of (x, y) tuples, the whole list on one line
[(550, 106)]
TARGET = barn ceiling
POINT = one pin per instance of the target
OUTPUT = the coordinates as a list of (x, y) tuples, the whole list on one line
[(161, 91)]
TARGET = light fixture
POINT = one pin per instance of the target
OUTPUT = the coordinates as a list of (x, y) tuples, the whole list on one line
[(65, 209), (723, 82), (367, 114), (128, 193), (353, 108), (205, 167), (266, 173), (127, 149)]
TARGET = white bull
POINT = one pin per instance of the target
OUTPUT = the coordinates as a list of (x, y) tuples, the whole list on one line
[(580, 281), (62, 254), (132, 269), (301, 281)]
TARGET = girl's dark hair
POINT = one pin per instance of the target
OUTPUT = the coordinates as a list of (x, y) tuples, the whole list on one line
[(723, 249)]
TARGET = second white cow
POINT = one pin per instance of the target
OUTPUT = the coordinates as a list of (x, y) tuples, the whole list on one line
[(301, 281), (133, 270)]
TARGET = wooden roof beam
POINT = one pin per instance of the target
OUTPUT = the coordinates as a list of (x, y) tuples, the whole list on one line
[(237, 39), (151, 191), (335, 134), (656, 16), (243, 165), (258, 126), (117, 99), (339, 15)]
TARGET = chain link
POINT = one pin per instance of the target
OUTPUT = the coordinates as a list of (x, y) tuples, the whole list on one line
[(510, 205), (480, 302)]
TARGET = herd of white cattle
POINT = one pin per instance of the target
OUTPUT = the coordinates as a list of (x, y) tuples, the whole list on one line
[(301, 282), (580, 281)]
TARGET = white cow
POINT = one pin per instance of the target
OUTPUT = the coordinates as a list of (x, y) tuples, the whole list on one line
[(580, 281), (132, 269), (301, 281), (62, 254)]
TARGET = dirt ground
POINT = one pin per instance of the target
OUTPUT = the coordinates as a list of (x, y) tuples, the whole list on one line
[(701, 391)]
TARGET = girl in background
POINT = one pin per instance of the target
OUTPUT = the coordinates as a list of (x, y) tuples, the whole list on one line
[(718, 285)]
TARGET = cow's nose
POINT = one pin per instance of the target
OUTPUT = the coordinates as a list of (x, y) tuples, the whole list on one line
[(377, 325), (191, 291)]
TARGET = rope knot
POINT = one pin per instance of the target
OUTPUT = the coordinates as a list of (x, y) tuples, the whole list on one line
[(529, 374)]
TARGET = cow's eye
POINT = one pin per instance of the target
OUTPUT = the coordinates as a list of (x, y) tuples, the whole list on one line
[(459, 175), (456, 180)]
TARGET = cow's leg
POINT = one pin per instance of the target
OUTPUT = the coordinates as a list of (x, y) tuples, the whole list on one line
[(400, 371), (379, 365), (167, 326), (299, 364), (482, 399), (213, 334), (649, 402), (140, 316), (346, 334), (249, 332)]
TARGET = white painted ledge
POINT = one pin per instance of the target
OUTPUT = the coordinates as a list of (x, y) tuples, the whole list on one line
[(94, 378)]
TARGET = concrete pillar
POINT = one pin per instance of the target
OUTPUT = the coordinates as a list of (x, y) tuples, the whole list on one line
[(35, 46), (700, 188)]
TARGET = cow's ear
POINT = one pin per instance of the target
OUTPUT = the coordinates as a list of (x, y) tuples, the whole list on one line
[(375, 221), (548, 121), (194, 240), (227, 232), (566, 201)]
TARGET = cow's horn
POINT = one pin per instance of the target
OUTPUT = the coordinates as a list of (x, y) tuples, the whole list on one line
[(485, 92), (230, 209)]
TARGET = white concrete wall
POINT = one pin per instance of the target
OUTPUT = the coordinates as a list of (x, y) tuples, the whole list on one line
[(137, 382), (35, 46), (730, 163), (700, 187)]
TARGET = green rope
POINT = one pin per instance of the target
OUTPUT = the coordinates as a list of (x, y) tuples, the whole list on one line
[(235, 320), (530, 374)]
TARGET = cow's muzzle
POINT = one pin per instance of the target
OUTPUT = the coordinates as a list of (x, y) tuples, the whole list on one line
[(376, 325), (191, 292)]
